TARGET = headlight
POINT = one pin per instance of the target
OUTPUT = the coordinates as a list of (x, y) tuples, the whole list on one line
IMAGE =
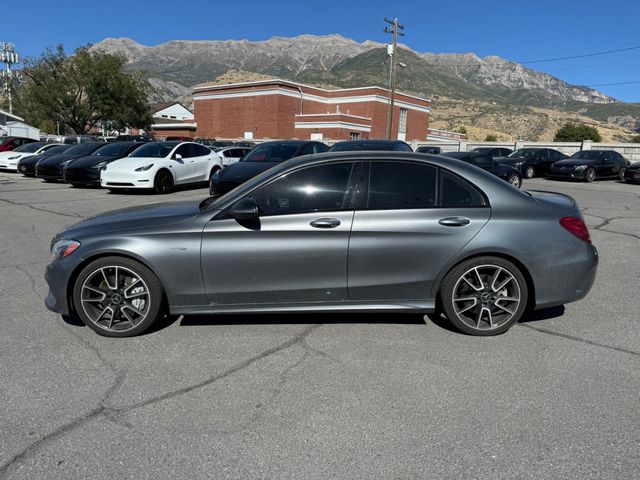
[(100, 165), (13, 158), (64, 248), (144, 168), (579, 168)]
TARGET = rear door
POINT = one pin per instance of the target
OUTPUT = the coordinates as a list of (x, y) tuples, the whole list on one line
[(410, 219)]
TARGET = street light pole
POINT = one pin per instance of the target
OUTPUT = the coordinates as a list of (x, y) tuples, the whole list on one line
[(391, 51)]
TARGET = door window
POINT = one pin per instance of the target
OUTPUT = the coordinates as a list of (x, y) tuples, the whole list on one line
[(182, 150), (399, 185), (456, 192), (196, 150), (316, 189)]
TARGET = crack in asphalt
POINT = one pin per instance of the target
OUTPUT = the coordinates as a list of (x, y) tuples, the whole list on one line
[(26, 205), (607, 220), (114, 414), (578, 339), (30, 276), (100, 409)]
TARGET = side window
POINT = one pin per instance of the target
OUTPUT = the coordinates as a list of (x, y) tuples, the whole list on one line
[(316, 189), (200, 150), (182, 150), (321, 147), (456, 192), (481, 161), (399, 185), (543, 155), (401, 147)]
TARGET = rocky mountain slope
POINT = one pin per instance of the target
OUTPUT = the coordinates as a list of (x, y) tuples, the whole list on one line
[(501, 90)]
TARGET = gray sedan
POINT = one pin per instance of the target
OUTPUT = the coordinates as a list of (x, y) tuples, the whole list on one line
[(349, 232)]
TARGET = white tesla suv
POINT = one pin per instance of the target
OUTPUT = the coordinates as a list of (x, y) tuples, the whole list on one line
[(160, 166)]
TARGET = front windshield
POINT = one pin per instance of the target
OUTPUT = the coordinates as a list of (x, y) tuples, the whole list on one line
[(155, 149), (272, 152), (56, 150), (587, 155), (29, 147), (113, 149), (523, 153), (83, 148)]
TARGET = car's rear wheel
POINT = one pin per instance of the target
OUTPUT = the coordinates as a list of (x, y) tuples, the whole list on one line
[(529, 172), (484, 295), (515, 180), (590, 175), (163, 183), (117, 297)]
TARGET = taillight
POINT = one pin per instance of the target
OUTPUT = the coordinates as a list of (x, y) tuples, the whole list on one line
[(576, 226)]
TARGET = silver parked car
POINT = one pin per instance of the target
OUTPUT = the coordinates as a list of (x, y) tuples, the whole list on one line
[(352, 231)]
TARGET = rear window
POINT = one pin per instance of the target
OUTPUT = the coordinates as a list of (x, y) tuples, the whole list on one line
[(456, 192), (397, 185)]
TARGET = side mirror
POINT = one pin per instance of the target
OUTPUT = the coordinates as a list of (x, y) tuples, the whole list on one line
[(177, 156), (245, 209)]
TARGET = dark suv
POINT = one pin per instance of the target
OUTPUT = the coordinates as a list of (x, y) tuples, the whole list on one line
[(261, 158)]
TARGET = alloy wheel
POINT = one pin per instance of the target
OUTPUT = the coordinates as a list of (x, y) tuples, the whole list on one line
[(514, 180), (163, 182), (590, 175), (115, 298), (621, 173), (529, 172), (486, 297)]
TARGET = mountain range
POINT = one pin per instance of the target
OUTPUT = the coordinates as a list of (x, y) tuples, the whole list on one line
[(483, 95)]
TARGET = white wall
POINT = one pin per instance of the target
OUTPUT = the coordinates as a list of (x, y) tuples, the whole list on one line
[(175, 112)]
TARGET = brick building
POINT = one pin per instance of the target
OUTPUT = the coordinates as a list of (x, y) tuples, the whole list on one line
[(284, 109)]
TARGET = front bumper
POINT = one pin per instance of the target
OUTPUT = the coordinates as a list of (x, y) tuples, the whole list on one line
[(569, 174), (632, 176), (9, 165), (57, 275), (125, 179), (49, 172), (81, 176)]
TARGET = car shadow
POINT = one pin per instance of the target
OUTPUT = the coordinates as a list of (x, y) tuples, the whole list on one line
[(150, 191), (543, 314)]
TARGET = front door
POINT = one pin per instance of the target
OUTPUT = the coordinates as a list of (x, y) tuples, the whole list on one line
[(184, 169), (405, 229), (295, 253)]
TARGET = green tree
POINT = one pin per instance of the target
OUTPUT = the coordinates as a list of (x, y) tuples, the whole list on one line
[(635, 139), (462, 130), (491, 138), (577, 132), (79, 92)]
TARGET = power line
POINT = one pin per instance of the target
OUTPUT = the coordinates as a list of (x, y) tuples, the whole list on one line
[(605, 52), (609, 84)]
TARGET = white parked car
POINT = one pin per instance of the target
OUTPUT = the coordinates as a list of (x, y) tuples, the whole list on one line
[(231, 155), (160, 166), (9, 160)]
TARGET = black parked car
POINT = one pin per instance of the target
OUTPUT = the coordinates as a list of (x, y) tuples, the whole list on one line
[(86, 170), (360, 145), (532, 161), (506, 172), (632, 173), (50, 168), (589, 165), (27, 166), (494, 152), (261, 158), (429, 149)]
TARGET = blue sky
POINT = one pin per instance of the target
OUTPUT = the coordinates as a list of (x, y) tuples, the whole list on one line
[(519, 30)]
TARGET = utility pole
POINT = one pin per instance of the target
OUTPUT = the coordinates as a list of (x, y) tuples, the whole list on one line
[(9, 57), (391, 51)]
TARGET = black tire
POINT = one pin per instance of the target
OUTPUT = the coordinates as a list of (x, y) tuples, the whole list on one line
[(469, 299), (163, 182), (120, 325), (529, 172), (590, 175), (515, 180)]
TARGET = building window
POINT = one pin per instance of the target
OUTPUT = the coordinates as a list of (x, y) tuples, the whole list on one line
[(354, 136), (402, 127)]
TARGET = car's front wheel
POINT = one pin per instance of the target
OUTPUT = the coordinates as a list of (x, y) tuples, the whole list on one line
[(621, 174), (590, 175), (117, 296), (163, 182), (484, 295)]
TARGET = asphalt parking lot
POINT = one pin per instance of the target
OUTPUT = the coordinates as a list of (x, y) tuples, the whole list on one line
[(317, 396)]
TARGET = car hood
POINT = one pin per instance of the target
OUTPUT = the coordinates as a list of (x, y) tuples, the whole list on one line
[(131, 163), (32, 159), (241, 171), (573, 162), (634, 166), (10, 154), (510, 160), (57, 159), (91, 160), (132, 218)]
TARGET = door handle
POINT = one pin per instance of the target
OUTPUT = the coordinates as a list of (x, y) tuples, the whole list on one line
[(454, 221), (325, 223)]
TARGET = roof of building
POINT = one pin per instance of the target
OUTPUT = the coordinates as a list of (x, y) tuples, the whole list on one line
[(156, 107)]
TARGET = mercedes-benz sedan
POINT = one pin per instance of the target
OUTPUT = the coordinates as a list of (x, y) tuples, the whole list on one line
[(353, 231)]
